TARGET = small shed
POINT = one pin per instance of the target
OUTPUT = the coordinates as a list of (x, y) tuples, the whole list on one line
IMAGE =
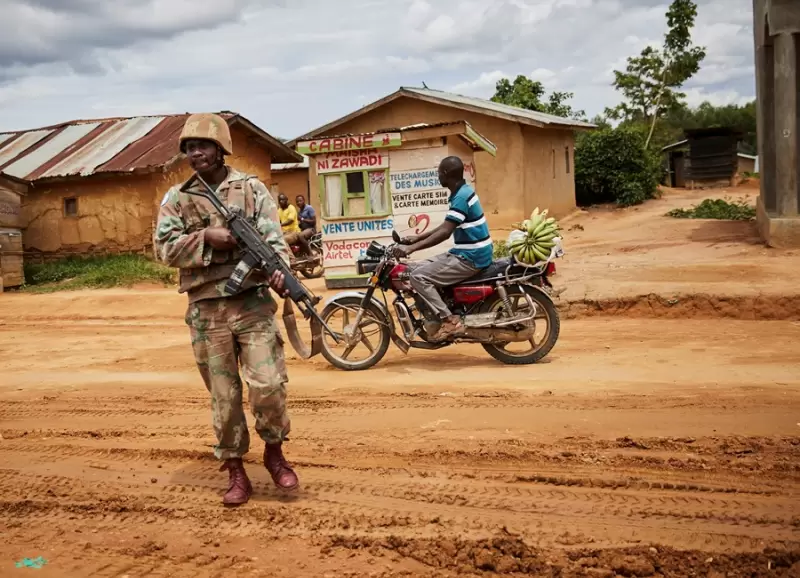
[(11, 262), (707, 157), (371, 184)]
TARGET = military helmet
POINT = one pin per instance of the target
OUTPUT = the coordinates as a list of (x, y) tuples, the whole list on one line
[(207, 126)]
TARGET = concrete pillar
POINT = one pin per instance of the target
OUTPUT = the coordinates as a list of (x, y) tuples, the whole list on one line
[(776, 25), (765, 110), (786, 123)]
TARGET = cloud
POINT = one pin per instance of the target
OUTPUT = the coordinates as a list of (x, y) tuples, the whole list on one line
[(291, 66), (481, 85)]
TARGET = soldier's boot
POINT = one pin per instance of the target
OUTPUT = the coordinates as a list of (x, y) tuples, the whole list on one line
[(282, 473), (239, 487)]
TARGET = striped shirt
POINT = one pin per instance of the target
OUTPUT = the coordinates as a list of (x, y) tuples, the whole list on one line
[(471, 237)]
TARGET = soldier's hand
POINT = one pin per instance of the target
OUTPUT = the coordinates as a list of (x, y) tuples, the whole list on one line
[(276, 282), (219, 238)]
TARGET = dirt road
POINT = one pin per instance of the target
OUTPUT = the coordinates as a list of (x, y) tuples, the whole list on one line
[(680, 436), (661, 438)]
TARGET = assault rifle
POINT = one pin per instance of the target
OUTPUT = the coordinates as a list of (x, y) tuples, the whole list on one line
[(259, 255)]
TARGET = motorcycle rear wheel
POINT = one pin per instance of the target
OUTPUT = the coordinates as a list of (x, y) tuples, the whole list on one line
[(314, 272), (540, 349), (373, 318)]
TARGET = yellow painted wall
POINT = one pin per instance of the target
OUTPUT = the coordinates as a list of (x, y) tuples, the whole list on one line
[(115, 213), (502, 180), (292, 183), (549, 182)]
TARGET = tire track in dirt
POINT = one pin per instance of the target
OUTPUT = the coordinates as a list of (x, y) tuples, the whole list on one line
[(339, 499)]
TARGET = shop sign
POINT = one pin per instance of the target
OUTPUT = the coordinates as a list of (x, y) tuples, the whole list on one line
[(349, 143)]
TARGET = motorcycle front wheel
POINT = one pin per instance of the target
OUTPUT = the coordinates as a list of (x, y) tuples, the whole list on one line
[(534, 349), (371, 336)]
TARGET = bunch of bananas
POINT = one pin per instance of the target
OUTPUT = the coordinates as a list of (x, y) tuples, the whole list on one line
[(539, 233)]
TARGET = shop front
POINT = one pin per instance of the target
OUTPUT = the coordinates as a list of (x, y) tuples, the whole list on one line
[(369, 185)]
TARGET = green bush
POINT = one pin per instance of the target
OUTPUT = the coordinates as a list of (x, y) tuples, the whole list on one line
[(95, 272), (612, 165), (721, 209)]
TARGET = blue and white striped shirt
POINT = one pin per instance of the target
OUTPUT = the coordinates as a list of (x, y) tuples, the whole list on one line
[(471, 237)]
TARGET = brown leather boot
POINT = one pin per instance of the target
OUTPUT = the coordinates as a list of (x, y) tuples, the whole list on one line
[(282, 473), (239, 487)]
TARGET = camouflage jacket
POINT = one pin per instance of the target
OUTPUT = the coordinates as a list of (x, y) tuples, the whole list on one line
[(179, 241)]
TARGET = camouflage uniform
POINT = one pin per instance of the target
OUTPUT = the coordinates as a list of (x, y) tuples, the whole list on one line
[(226, 331)]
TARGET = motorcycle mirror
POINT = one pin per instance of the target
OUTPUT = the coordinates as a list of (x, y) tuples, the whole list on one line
[(395, 237)]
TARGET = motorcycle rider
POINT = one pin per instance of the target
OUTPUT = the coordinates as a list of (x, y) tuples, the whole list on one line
[(308, 218), (472, 252), (290, 224)]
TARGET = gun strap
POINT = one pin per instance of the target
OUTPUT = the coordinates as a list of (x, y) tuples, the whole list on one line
[(290, 323)]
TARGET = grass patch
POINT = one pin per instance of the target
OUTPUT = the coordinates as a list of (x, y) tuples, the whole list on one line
[(721, 209), (95, 272)]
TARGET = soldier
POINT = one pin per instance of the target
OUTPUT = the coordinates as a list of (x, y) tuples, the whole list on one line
[(227, 332)]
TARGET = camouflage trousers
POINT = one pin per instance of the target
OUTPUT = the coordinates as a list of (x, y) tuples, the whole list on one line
[(230, 333)]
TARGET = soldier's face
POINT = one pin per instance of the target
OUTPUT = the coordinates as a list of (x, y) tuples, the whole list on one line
[(202, 154)]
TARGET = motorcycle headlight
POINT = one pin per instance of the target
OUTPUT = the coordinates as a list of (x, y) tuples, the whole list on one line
[(366, 266), (375, 250)]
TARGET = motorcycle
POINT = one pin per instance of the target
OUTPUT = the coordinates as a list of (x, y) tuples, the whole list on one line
[(309, 266), (503, 305)]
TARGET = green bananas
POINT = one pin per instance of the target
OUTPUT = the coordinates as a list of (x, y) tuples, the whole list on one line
[(537, 238)]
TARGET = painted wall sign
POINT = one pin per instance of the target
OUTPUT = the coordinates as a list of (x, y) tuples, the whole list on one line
[(469, 172), (409, 181), (351, 160), (346, 252), (349, 143), (357, 229), (405, 203)]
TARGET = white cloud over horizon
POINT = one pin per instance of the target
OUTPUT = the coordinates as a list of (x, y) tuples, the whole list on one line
[(291, 66)]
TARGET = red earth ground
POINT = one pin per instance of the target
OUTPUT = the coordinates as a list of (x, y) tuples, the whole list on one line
[(661, 437)]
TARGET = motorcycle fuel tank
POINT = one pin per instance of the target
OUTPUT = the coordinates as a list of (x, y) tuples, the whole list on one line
[(472, 294)]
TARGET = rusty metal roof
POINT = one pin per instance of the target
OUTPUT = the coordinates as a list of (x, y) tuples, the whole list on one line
[(115, 145)]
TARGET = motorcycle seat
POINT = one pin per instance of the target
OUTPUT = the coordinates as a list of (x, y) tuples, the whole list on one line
[(496, 269)]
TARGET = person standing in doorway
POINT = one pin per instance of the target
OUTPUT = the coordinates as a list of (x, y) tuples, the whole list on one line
[(230, 333)]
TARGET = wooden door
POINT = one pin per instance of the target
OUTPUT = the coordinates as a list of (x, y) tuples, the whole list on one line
[(11, 258)]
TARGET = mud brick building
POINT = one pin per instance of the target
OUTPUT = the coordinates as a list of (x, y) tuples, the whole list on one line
[(95, 185), (535, 151), (776, 28), (12, 191)]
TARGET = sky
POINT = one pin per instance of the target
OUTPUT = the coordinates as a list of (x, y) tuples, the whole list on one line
[(293, 65)]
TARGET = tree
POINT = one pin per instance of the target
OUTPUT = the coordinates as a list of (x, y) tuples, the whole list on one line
[(651, 80), (529, 94), (613, 165)]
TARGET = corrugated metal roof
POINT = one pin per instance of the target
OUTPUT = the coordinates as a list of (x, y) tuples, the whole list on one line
[(290, 166), (85, 147), (159, 146), (104, 147), (24, 142), (458, 99), (48, 151), (478, 105)]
